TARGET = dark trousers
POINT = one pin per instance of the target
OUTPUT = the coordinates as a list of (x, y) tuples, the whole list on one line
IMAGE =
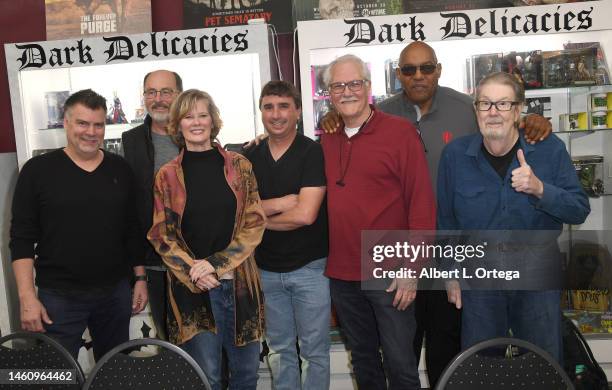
[(106, 315), (158, 301), (533, 316), (370, 323), (440, 322)]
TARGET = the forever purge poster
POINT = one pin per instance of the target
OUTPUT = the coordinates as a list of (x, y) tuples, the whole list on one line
[(86, 18)]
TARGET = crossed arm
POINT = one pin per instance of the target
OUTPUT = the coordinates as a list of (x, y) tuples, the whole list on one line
[(291, 212)]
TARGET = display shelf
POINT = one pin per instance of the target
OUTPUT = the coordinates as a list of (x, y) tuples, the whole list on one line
[(593, 87), (38, 92), (595, 324), (112, 128), (583, 132)]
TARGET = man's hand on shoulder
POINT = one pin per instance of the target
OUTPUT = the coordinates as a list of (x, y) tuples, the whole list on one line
[(255, 141), (537, 128), (33, 314), (331, 122)]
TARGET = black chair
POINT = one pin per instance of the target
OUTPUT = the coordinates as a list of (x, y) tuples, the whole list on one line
[(488, 365), (170, 368), (37, 351)]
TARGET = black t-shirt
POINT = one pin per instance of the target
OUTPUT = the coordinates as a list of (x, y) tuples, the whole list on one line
[(210, 208), (300, 166), (501, 163), (82, 226)]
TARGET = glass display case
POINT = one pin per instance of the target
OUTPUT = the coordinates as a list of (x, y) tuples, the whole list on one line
[(230, 63)]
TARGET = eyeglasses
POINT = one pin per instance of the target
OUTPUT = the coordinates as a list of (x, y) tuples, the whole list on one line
[(410, 70), (354, 85), (165, 93), (502, 105)]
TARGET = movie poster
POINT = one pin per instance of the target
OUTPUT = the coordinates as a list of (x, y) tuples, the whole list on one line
[(86, 18), (339, 9), (416, 6), (219, 13)]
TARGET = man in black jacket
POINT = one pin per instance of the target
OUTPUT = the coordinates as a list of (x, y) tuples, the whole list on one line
[(146, 148), (74, 222)]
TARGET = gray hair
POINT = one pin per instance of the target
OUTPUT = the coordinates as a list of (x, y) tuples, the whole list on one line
[(363, 68), (503, 78)]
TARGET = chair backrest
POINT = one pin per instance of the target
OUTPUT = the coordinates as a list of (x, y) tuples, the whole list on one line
[(37, 351), (170, 368), (485, 366)]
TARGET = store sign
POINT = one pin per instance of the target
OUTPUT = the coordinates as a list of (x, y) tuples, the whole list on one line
[(121, 48), (483, 23), (461, 25)]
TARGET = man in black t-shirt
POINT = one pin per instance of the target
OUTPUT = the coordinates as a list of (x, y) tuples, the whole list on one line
[(74, 220), (292, 255)]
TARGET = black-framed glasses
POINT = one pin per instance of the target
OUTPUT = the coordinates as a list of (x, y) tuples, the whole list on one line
[(410, 70), (502, 105), (165, 93), (353, 85)]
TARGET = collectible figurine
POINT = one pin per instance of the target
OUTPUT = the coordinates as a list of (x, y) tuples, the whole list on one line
[(116, 114)]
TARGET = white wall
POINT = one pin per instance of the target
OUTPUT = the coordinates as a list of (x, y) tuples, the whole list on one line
[(9, 307)]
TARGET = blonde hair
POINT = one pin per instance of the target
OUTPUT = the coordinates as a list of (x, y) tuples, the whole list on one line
[(181, 107)]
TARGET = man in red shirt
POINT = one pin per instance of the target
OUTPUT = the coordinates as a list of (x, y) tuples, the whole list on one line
[(377, 179)]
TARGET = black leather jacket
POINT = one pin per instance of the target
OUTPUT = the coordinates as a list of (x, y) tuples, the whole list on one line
[(138, 151)]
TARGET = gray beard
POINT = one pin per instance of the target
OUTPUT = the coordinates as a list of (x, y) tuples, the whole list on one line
[(159, 117), (493, 135)]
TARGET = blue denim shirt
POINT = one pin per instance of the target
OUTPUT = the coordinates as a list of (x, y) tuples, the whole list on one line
[(471, 195)]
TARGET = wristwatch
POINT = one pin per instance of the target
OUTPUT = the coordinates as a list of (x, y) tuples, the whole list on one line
[(141, 277)]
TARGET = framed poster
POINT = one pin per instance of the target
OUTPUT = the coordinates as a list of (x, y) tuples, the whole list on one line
[(86, 18), (218, 13), (339, 9)]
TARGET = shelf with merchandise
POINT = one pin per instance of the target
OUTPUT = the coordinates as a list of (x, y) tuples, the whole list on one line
[(592, 323), (594, 87), (584, 132), (108, 127)]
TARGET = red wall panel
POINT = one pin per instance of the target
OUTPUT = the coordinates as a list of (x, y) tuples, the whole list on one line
[(20, 21), (24, 21)]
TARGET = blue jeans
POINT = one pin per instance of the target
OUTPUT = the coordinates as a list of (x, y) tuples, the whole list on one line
[(370, 322), (107, 316), (206, 347), (533, 316), (298, 305)]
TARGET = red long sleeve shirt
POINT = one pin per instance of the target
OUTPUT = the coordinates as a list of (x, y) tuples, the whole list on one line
[(376, 180)]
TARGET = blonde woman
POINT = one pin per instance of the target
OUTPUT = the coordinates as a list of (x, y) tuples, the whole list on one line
[(207, 221)]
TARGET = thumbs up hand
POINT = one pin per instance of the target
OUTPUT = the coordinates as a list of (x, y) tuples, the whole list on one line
[(524, 180)]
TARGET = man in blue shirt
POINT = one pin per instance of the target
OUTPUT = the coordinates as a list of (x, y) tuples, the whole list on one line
[(495, 180)]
